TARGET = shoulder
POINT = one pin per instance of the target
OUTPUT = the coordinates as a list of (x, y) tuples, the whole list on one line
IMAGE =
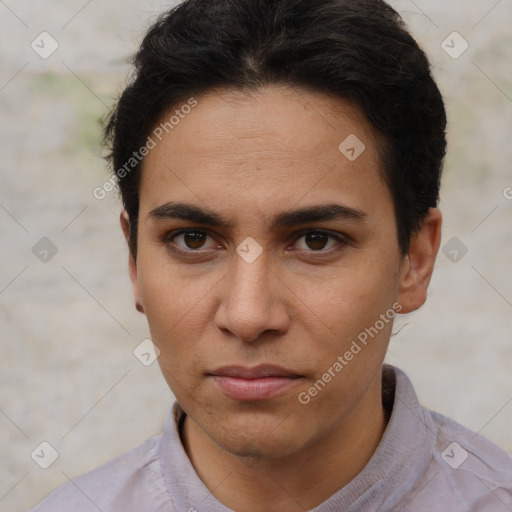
[(467, 469), (446, 462), (463, 451), (130, 482)]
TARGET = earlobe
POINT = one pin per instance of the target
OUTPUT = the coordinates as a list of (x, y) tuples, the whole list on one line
[(132, 266), (418, 264)]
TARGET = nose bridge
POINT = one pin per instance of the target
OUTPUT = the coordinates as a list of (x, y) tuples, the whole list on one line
[(249, 285), (251, 304)]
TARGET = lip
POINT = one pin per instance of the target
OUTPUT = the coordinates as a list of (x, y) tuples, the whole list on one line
[(257, 372), (262, 382)]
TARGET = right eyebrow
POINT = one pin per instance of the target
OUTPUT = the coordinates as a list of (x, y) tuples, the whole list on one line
[(189, 212)]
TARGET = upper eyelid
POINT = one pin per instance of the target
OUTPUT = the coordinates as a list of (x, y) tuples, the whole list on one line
[(339, 237)]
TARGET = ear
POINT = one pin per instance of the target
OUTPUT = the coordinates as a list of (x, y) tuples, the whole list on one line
[(418, 265), (125, 226)]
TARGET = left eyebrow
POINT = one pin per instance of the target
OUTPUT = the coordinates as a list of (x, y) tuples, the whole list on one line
[(317, 213)]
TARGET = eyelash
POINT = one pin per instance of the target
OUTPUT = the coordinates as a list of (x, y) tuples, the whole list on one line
[(167, 242)]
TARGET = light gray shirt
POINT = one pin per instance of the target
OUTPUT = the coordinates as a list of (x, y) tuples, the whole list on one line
[(425, 462)]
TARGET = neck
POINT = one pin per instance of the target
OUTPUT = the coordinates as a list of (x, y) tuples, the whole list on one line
[(285, 484)]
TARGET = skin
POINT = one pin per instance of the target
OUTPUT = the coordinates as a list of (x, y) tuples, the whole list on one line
[(248, 157)]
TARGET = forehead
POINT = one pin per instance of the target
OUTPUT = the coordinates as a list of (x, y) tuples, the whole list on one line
[(275, 145)]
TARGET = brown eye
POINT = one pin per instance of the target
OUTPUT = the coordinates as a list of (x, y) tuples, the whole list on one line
[(188, 240), (316, 241), (319, 241), (194, 239)]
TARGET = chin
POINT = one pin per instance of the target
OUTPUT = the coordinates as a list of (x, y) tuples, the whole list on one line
[(258, 446), (254, 437)]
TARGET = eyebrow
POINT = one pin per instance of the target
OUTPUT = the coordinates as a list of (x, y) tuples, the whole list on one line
[(323, 212)]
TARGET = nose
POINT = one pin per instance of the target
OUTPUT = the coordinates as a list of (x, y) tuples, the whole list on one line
[(253, 301)]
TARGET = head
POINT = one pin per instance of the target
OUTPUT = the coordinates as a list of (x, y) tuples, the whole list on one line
[(299, 145)]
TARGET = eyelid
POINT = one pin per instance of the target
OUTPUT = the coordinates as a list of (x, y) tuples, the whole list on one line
[(167, 240), (340, 238)]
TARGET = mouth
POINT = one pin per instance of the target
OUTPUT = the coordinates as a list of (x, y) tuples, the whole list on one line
[(254, 384)]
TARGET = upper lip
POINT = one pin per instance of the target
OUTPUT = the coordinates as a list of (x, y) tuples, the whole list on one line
[(258, 372)]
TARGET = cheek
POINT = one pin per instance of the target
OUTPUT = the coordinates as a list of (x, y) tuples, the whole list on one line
[(348, 324), (352, 299), (176, 311), (165, 295)]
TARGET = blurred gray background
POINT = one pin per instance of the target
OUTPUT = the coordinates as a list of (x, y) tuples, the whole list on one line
[(69, 376)]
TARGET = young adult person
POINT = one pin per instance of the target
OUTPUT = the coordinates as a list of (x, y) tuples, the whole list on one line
[(279, 163)]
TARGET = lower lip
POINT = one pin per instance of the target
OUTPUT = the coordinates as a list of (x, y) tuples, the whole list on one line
[(254, 389)]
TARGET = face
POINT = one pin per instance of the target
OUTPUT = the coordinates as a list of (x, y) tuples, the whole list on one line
[(262, 246)]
